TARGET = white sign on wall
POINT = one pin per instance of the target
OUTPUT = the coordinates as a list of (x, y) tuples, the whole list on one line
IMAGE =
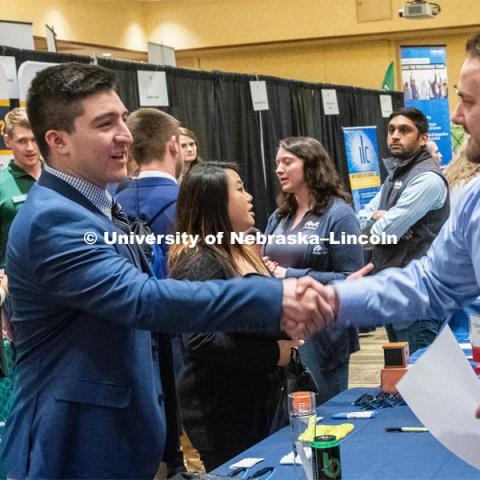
[(258, 90), (16, 34), (330, 102), (386, 105), (152, 88)]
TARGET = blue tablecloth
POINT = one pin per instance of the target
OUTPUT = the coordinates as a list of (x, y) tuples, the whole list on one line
[(369, 452)]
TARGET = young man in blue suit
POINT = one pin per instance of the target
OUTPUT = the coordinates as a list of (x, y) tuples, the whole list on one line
[(153, 195), (89, 402)]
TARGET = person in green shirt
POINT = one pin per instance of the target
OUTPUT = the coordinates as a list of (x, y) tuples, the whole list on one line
[(21, 173)]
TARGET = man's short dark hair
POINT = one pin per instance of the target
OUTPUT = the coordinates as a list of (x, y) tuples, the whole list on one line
[(413, 114), (472, 46), (55, 95), (151, 130)]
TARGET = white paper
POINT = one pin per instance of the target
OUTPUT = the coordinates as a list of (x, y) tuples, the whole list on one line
[(246, 463), (443, 391), (258, 90), (152, 88), (386, 105), (288, 458), (330, 103), (8, 78)]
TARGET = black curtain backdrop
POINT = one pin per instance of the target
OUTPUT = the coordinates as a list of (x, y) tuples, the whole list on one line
[(217, 106)]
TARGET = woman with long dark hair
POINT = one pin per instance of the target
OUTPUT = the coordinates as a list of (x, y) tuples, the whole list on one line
[(313, 204), (226, 384)]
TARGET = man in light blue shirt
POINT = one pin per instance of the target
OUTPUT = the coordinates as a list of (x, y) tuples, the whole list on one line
[(412, 205), (448, 277)]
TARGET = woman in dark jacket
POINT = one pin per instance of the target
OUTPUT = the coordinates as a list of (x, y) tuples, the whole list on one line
[(225, 386), (313, 204)]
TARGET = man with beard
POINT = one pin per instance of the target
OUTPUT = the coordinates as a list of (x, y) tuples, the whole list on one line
[(412, 204)]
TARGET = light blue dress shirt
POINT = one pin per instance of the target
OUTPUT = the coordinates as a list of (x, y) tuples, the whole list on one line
[(445, 279), (427, 191)]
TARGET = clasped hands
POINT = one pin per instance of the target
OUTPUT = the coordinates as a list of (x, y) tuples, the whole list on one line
[(308, 307)]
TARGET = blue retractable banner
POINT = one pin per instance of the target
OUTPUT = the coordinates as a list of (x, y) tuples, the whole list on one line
[(425, 86), (362, 158)]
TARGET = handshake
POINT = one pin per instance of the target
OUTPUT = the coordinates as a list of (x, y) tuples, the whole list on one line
[(309, 306)]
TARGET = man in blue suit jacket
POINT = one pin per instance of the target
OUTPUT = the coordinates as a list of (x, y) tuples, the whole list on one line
[(153, 195), (89, 403)]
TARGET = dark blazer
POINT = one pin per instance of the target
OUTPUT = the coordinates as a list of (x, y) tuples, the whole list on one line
[(151, 198), (226, 384), (89, 403)]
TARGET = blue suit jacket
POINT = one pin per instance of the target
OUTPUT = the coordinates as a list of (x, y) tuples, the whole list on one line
[(151, 198), (89, 403)]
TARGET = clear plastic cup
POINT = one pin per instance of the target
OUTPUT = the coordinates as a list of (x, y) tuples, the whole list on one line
[(302, 412)]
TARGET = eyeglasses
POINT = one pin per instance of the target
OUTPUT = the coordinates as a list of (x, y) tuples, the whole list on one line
[(379, 400)]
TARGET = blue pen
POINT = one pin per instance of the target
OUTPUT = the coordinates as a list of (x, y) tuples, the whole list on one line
[(363, 414)]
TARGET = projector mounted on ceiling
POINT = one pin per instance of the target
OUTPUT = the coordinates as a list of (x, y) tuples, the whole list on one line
[(419, 9)]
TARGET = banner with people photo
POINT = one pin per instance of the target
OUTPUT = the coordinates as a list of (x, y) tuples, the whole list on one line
[(425, 86), (362, 158)]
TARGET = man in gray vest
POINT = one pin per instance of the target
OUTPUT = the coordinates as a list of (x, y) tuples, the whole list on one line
[(413, 205)]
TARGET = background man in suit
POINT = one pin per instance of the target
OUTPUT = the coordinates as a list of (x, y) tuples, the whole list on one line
[(152, 196), (89, 402), (413, 205)]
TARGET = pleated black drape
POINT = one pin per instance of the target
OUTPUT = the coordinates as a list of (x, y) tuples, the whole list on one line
[(217, 106), (192, 100), (239, 138)]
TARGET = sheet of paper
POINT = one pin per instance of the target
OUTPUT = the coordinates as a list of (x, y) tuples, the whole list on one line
[(258, 90), (386, 105), (152, 88), (330, 102), (246, 463), (443, 391)]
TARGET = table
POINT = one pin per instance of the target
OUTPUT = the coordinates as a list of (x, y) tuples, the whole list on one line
[(370, 453)]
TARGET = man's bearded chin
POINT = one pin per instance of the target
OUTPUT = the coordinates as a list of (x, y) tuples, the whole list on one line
[(473, 152)]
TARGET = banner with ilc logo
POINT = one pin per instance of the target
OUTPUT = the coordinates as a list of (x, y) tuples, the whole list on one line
[(361, 149)]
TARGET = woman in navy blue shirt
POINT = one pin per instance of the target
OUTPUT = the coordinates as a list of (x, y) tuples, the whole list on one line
[(314, 209)]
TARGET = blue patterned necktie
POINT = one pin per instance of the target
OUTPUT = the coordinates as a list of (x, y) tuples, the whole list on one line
[(119, 218)]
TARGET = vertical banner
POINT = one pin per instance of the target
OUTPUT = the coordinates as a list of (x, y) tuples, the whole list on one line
[(425, 86), (6, 77), (362, 158), (5, 153)]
